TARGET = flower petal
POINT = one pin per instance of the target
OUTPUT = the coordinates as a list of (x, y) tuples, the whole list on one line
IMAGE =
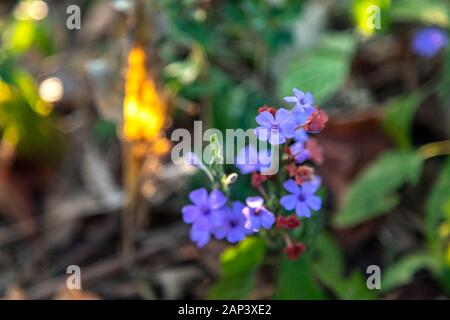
[(238, 207), (265, 119), (314, 202), (218, 217), (267, 219), (199, 197), (309, 99), (310, 187), (283, 116), (302, 210), (216, 199), (200, 237), (190, 213), (291, 186), (276, 138), (221, 232), (298, 93), (262, 133), (290, 99), (288, 202), (287, 129), (300, 135), (301, 114), (254, 224), (254, 202), (236, 235)]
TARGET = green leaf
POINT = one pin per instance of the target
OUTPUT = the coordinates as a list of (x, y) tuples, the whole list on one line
[(329, 260), (233, 288), (295, 281), (244, 257), (323, 70), (329, 268), (436, 206), (422, 11), (239, 265), (355, 288), (373, 192), (399, 116), (401, 272)]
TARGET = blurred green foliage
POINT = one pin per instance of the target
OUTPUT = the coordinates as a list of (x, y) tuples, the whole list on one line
[(373, 193), (24, 117), (323, 70), (239, 265)]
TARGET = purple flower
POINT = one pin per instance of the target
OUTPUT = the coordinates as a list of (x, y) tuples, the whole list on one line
[(250, 160), (427, 42), (275, 130), (302, 100), (302, 198), (257, 216), (233, 226), (206, 213), (301, 114), (299, 152), (303, 105), (200, 233), (300, 135)]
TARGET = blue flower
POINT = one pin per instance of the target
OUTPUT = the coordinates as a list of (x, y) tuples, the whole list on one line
[(249, 160), (233, 226), (299, 152), (303, 106), (301, 135), (302, 198), (257, 216), (275, 130), (206, 213), (302, 114), (303, 101), (427, 42)]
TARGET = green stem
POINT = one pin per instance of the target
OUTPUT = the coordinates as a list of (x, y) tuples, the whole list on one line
[(435, 149)]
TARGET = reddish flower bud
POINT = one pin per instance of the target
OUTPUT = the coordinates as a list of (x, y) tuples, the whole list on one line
[(300, 174), (281, 222), (267, 108), (316, 121), (292, 222), (293, 251), (315, 150), (289, 222), (258, 180)]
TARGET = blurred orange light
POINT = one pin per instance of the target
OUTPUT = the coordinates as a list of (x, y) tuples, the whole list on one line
[(144, 109)]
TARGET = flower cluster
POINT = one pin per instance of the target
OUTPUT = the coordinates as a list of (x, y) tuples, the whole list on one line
[(214, 215), (210, 215)]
